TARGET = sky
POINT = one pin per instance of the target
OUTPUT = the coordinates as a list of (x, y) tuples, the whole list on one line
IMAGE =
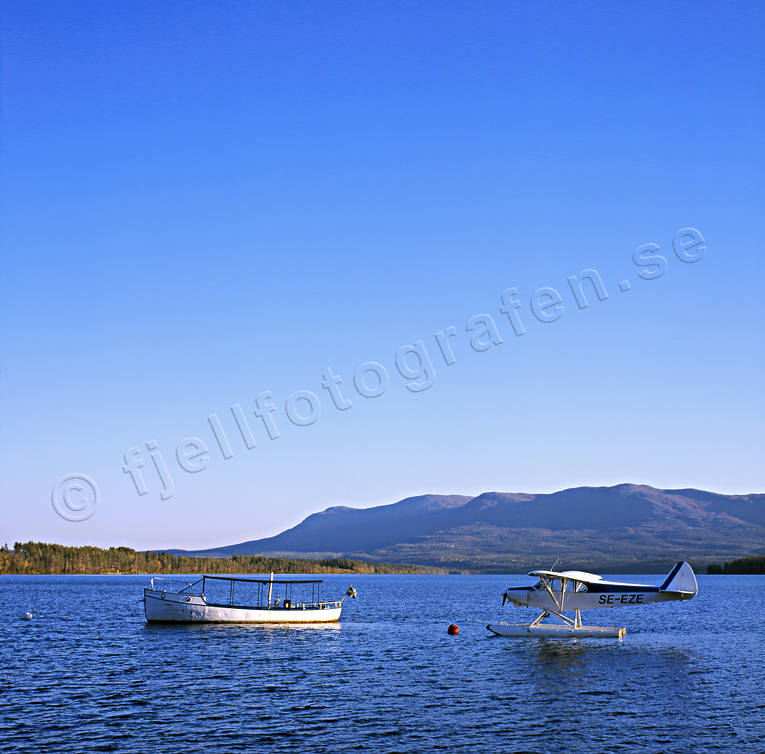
[(209, 204)]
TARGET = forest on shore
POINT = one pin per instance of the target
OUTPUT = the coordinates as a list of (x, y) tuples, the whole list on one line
[(43, 558), (752, 565)]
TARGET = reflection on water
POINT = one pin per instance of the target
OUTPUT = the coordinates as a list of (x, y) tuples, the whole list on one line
[(283, 630), (88, 673), (575, 668)]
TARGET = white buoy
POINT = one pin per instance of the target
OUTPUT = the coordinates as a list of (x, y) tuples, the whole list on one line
[(28, 616)]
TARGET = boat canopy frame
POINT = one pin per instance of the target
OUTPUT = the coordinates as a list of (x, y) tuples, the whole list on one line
[(260, 580), (264, 593), (269, 583)]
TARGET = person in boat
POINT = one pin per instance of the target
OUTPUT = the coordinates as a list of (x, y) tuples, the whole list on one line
[(276, 602)]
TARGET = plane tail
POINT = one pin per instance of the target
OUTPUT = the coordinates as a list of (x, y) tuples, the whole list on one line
[(681, 579)]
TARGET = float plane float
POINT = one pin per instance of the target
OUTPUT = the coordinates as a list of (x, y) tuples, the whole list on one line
[(559, 591)]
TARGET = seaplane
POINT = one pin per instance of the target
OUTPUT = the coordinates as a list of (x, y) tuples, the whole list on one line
[(574, 591)]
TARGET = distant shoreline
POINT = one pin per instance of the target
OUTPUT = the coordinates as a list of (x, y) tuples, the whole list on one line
[(751, 566), (423, 572), (43, 559)]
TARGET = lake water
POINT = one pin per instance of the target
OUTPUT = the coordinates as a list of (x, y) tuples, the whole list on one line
[(88, 674)]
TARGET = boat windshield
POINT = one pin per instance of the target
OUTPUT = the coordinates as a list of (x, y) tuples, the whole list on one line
[(165, 584)]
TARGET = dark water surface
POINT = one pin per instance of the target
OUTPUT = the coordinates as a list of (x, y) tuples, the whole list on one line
[(88, 674)]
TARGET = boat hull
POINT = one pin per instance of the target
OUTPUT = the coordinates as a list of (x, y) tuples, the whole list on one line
[(165, 607), (546, 630)]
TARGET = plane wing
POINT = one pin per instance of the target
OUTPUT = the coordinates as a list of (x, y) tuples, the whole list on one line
[(680, 579), (581, 576)]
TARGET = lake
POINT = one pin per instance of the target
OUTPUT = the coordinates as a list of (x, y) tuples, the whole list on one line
[(88, 674)]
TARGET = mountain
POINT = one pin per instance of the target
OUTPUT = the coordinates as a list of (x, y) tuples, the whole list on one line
[(604, 528)]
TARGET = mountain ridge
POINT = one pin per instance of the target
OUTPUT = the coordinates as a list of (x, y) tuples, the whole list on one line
[(594, 526)]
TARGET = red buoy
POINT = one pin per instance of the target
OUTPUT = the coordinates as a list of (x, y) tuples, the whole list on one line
[(453, 630)]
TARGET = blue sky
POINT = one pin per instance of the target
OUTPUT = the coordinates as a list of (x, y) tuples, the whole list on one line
[(203, 202)]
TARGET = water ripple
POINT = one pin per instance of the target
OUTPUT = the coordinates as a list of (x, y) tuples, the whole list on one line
[(87, 674)]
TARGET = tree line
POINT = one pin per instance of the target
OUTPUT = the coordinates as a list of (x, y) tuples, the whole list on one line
[(751, 565), (43, 558)]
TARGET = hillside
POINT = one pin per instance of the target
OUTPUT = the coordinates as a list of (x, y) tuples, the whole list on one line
[(598, 527)]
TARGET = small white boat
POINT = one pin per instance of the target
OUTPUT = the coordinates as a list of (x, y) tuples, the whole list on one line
[(169, 603)]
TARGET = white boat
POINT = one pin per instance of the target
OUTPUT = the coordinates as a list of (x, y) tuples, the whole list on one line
[(168, 602)]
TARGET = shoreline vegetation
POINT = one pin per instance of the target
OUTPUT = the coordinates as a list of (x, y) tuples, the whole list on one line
[(40, 558), (754, 565)]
